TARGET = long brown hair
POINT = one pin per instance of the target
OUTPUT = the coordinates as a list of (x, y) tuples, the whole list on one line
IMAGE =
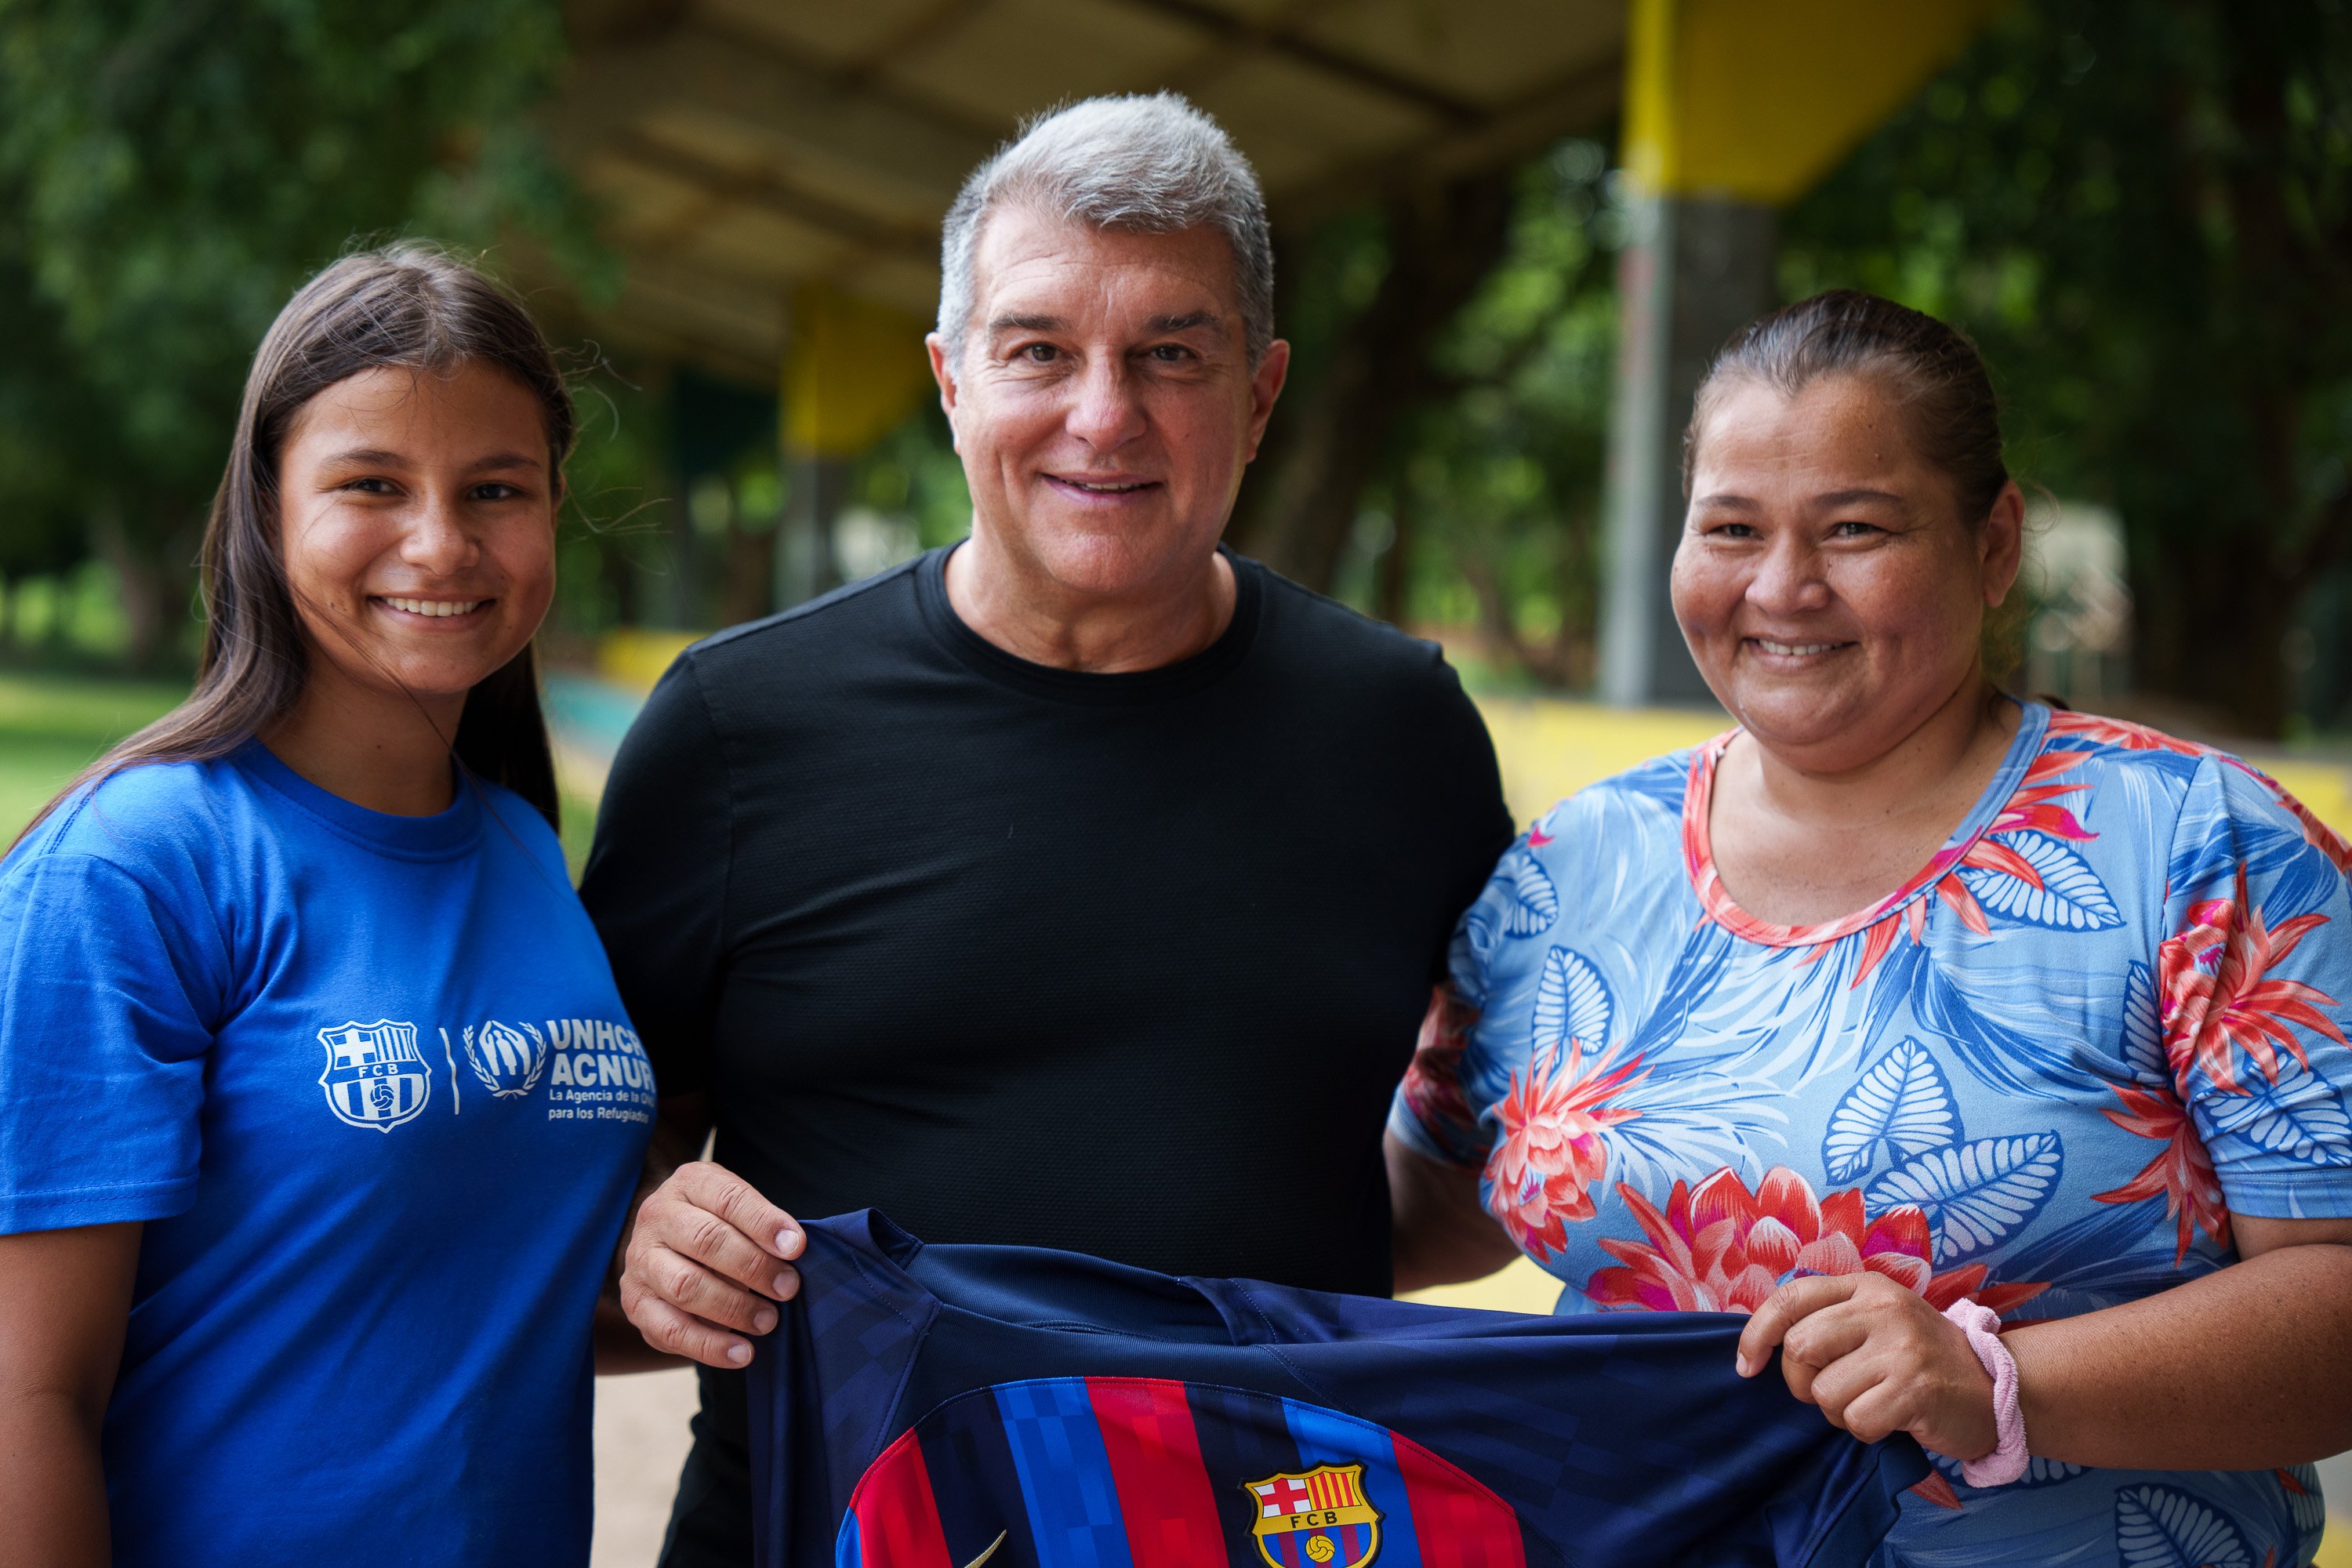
[(404, 305)]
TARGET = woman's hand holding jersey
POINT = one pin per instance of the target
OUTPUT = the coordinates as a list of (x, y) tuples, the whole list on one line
[(1877, 1359), (705, 1253)]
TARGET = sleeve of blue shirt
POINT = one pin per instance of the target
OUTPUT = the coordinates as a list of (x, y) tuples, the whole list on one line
[(2253, 993), (105, 992)]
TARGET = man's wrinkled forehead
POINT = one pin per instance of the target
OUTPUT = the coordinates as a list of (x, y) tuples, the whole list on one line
[(1037, 272)]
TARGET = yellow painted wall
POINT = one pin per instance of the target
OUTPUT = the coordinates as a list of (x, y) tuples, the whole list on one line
[(1758, 102), (853, 370), (634, 657)]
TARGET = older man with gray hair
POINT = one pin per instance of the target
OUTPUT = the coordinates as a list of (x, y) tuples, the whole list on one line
[(1081, 885)]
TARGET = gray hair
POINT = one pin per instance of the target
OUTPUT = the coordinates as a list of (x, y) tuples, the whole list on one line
[(1148, 164)]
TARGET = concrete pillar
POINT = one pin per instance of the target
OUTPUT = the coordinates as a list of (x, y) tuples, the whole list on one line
[(853, 370), (1733, 109), (804, 559), (1698, 270)]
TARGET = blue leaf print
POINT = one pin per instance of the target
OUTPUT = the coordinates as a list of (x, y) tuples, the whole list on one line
[(1479, 926), (1538, 901), (1705, 954), (2039, 1471), (2120, 1253), (2162, 1527), (1660, 779), (2004, 1058), (2179, 766), (2306, 1511), (2071, 898), (1976, 1195), (2269, 846), (1902, 1100), (2144, 1031), (1572, 1003), (2301, 1116)]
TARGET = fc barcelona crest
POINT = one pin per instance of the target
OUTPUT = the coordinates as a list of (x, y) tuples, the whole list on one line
[(375, 1075), (1319, 1519)]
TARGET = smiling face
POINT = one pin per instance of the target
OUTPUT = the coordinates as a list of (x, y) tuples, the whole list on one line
[(1826, 582), (1104, 404), (417, 522)]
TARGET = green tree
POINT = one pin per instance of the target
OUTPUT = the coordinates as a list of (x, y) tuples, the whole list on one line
[(1496, 496), (1437, 456), (2144, 212), (171, 169)]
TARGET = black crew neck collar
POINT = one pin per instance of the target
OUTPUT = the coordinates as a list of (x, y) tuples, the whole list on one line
[(1114, 689)]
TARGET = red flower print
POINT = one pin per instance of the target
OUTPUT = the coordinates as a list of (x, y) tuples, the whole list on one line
[(2139, 738), (2210, 1014), (2029, 806), (1938, 1490), (1433, 1084), (1552, 1152), (2315, 833), (1722, 1249), (2122, 734), (2183, 1172)]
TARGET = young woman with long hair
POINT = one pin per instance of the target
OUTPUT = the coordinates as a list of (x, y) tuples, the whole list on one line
[(318, 1108)]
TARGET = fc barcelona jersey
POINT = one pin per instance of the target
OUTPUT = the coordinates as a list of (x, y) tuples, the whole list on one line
[(954, 1406)]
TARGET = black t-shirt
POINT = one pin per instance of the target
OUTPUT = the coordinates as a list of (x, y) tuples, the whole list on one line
[(1127, 964)]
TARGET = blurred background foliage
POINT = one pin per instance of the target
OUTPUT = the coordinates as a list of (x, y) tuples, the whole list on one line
[(170, 169), (2142, 210)]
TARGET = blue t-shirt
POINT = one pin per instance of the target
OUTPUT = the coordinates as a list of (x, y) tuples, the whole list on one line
[(366, 1080)]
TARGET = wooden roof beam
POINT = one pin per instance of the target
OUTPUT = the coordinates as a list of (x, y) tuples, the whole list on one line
[(1580, 100), (764, 188), (1246, 37), (698, 64)]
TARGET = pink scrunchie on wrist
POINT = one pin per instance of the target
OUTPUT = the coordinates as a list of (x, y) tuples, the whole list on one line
[(2007, 1460)]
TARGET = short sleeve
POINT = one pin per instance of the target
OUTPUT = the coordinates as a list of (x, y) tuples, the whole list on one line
[(1431, 1112), (2254, 993), (655, 883), (104, 999)]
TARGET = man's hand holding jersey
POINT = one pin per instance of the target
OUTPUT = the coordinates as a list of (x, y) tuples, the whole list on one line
[(706, 1261)]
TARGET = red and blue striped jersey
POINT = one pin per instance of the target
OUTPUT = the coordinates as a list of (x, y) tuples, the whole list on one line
[(954, 1406)]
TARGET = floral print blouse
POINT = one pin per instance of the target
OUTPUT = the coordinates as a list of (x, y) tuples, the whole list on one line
[(2110, 1013)]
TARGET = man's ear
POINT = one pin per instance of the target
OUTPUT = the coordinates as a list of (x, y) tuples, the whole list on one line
[(1265, 386), (943, 372)]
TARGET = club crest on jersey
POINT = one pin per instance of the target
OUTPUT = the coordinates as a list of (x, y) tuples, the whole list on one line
[(508, 1064), (375, 1075), (1317, 1519)]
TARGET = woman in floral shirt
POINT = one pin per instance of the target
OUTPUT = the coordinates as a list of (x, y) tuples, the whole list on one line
[(1905, 995)]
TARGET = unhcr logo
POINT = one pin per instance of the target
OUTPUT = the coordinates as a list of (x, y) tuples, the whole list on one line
[(507, 1061), (596, 1053)]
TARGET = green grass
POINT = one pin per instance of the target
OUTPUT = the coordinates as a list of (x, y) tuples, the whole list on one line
[(51, 726), (579, 827)]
